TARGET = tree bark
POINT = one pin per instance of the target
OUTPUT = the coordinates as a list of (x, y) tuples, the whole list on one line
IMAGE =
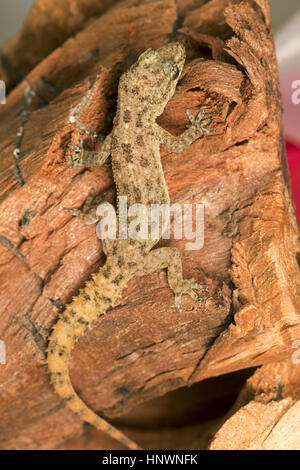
[(135, 364)]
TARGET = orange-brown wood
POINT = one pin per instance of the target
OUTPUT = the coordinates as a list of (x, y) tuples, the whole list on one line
[(145, 348)]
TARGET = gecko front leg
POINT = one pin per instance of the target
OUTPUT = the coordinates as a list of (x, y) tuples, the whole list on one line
[(180, 143), (170, 258), (86, 157)]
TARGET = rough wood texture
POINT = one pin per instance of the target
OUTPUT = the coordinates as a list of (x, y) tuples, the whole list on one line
[(145, 348)]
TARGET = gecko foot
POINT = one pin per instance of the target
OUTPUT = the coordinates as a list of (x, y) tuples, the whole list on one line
[(199, 123), (186, 286), (87, 218), (77, 157), (88, 212)]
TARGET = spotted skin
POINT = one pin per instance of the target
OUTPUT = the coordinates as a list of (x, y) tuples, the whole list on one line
[(133, 144)]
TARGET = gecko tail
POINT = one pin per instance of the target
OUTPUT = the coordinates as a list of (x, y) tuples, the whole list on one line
[(62, 384), (72, 324)]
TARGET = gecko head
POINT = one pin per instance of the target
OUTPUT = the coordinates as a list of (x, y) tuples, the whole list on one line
[(153, 78)]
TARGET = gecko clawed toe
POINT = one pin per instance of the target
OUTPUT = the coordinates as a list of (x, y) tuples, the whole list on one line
[(134, 147), (77, 157), (87, 214), (187, 286), (198, 122)]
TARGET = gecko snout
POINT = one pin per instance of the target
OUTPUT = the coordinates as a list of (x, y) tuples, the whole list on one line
[(175, 52)]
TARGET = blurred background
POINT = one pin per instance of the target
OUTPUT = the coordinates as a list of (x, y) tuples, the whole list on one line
[(13, 13), (286, 22)]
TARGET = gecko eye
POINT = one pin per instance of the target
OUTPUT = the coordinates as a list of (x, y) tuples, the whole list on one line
[(174, 72)]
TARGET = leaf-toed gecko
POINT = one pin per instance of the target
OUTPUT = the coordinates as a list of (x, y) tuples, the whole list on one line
[(143, 92)]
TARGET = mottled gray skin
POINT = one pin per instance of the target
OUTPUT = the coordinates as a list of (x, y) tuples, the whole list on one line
[(134, 145)]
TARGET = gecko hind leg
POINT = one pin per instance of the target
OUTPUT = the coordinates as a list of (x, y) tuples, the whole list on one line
[(170, 258), (87, 214)]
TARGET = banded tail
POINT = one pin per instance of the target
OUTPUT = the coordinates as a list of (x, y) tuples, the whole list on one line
[(98, 295)]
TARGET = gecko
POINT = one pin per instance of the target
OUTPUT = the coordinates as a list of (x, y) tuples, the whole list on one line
[(134, 147)]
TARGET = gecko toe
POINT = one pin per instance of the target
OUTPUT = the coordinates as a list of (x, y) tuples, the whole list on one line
[(201, 286), (207, 121), (72, 147), (187, 286), (74, 212), (191, 117), (193, 295), (177, 302), (201, 113)]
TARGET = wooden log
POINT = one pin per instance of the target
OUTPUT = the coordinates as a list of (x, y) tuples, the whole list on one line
[(145, 348)]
